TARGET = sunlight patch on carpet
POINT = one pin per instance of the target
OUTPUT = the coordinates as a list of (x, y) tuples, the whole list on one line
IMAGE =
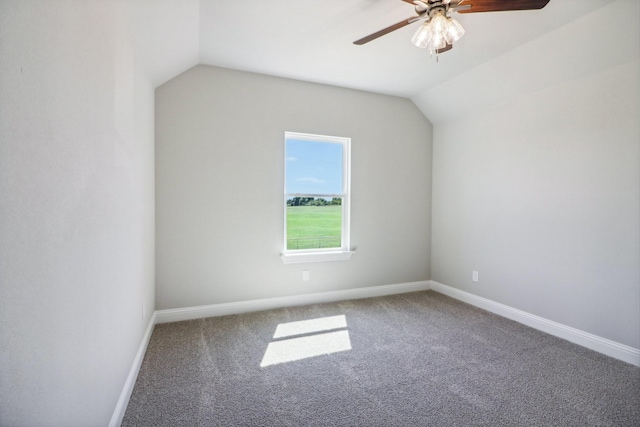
[(307, 326), (303, 347)]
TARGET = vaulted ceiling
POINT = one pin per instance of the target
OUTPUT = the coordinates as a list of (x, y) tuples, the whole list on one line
[(311, 40)]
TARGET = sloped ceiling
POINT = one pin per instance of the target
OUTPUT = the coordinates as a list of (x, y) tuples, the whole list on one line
[(312, 41), (166, 36), (567, 53)]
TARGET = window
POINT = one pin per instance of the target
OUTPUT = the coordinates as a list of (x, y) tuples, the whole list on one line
[(316, 198)]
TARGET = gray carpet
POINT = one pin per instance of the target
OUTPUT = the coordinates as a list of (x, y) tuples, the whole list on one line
[(416, 359)]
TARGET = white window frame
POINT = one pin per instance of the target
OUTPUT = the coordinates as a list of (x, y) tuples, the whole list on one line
[(325, 254)]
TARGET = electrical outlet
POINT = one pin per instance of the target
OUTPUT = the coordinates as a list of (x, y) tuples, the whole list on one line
[(305, 275), (474, 276)]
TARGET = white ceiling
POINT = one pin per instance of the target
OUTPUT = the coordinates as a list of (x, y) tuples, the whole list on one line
[(311, 40)]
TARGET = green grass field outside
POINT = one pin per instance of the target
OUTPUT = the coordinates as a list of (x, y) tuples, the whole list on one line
[(313, 227)]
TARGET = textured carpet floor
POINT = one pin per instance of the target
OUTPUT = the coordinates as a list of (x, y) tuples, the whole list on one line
[(417, 359)]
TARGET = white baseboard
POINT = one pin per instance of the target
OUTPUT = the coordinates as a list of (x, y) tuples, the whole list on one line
[(203, 311), (125, 395), (602, 345)]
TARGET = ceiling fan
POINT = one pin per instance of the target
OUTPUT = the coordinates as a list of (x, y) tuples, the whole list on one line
[(440, 31)]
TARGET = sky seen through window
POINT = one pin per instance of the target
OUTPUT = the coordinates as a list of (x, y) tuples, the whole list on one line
[(313, 167)]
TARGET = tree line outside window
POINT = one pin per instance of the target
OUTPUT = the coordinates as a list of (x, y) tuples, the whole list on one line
[(313, 201)]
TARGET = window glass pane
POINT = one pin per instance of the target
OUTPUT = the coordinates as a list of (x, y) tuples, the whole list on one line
[(314, 223), (313, 167)]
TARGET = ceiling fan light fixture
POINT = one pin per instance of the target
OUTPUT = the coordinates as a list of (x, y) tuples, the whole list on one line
[(438, 41), (422, 36), (438, 22), (454, 31), (436, 33)]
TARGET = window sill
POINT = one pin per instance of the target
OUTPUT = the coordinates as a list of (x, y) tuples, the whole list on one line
[(315, 257)]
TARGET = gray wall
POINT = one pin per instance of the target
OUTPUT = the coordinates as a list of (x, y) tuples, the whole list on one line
[(76, 210), (541, 192), (219, 186)]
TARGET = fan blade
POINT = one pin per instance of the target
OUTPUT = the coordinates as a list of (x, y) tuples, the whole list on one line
[(387, 30), (420, 4), (447, 48), (502, 5)]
